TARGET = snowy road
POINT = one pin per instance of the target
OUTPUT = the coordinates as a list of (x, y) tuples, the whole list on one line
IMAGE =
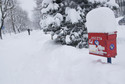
[(36, 59)]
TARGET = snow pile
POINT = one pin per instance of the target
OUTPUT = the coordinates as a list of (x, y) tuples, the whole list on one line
[(58, 19), (118, 19), (68, 39), (113, 3), (110, 3), (51, 20), (45, 2), (100, 1), (101, 20), (72, 15), (46, 22)]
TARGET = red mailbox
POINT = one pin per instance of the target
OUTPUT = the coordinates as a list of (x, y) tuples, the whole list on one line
[(103, 44)]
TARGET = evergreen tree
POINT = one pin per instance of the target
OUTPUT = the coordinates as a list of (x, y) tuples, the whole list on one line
[(66, 19)]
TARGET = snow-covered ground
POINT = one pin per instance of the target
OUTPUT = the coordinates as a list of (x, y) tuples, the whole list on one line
[(36, 59)]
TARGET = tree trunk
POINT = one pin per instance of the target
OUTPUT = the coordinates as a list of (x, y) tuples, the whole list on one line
[(0, 33), (13, 27), (12, 19), (2, 22)]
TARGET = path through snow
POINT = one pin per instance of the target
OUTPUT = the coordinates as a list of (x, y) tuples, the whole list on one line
[(36, 59)]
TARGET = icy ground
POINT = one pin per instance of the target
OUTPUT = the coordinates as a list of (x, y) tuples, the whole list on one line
[(36, 59)]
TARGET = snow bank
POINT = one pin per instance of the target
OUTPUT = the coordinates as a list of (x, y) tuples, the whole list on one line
[(101, 20), (72, 15), (36, 59)]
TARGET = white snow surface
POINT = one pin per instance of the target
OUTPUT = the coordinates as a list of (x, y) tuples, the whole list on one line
[(57, 19), (68, 41), (101, 1), (113, 3), (101, 20), (51, 6), (36, 59), (72, 15), (47, 21), (110, 3), (45, 2)]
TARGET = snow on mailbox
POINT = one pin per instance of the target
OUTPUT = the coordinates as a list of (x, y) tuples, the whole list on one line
[(101, 25)]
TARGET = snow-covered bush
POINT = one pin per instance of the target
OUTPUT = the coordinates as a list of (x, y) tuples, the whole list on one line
[(66, 19)]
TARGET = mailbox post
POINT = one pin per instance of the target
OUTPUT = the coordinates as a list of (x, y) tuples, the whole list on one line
[(102, 33)]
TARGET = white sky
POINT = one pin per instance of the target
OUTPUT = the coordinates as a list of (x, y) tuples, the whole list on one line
[(28, 5)]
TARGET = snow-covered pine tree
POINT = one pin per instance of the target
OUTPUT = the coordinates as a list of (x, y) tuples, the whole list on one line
[(73, 31), (59, 21), (51, 18), (66, 19)]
